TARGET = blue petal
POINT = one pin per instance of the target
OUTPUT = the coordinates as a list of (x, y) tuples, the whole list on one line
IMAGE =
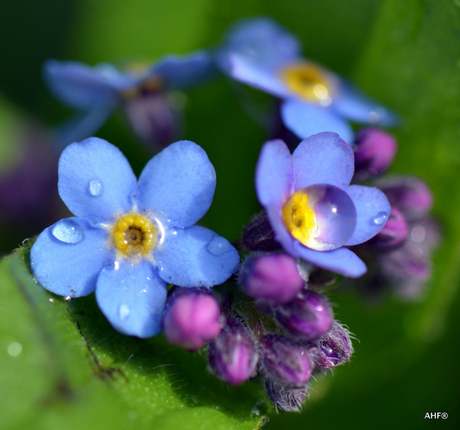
[(306, 119), (264, 78), (274, 173), (95, 160), (356, 106), (132, 298), (341, 260), (178, 184), (196, 257), (80, 86), (369, 203), (85, 125), (323, 159), (70, 269), (181, 72), (259, 41)]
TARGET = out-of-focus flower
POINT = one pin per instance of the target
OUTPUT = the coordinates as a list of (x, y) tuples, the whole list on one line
[(311, 207), (374, 153), (233, 354), (260, 53), (28, 198), (192, 318), (399, 257), (142, 93), (129, 238)]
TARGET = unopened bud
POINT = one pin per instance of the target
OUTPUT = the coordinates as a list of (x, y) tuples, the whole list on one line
[(258, 235), (393, 233), (374, 153), (284, 361), (334, 348), (271, 277), (307, 317), (408, 194), (192, 318), (284, 398), (233, 354)]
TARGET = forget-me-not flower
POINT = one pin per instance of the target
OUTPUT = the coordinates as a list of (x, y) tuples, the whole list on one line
[(142, 92), (311, 207), (130, 238), (264, 55)]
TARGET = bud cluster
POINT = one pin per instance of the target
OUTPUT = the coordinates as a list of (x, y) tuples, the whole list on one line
[(399, 257)]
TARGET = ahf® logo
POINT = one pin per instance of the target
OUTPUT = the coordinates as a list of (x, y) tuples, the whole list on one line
[(436, 415)]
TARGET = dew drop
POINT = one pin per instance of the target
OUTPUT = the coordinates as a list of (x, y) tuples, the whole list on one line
[(96, 187), (381, 218), (124, 311), (68, 231), (218, 246), (334, 217)]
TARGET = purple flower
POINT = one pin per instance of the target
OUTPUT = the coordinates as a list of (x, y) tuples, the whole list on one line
[(130, 238), (260, 53), (97, 91), (311, 206)]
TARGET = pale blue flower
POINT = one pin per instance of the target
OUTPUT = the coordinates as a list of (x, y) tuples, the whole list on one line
[(130, 238), (264, 55)]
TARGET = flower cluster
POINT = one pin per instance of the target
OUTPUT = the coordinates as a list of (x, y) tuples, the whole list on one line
[(136, 245)]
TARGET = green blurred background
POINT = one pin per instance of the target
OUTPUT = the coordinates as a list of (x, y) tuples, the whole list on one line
[(405, 54)]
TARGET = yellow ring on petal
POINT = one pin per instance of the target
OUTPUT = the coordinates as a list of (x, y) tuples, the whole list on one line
[(134, 235)]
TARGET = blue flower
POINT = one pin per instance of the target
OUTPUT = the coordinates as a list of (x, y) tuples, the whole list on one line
[(260, 53), (97, 91), (311, 207), (129, 238)]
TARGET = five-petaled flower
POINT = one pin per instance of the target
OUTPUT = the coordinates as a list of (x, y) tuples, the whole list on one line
[(311, 207), (130, 238), (260, 53), (141, 91)]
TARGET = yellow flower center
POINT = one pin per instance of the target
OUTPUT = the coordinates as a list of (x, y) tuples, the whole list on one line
[(134, 235), (308, 81), (299, 217)]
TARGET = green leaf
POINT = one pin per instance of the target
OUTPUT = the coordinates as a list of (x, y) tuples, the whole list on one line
[(64, 366)]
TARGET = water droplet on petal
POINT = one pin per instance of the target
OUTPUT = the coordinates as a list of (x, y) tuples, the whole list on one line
[(321, 216), (124, 311), (68, 231), (96, 187), (381, 218), (218, 246)]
